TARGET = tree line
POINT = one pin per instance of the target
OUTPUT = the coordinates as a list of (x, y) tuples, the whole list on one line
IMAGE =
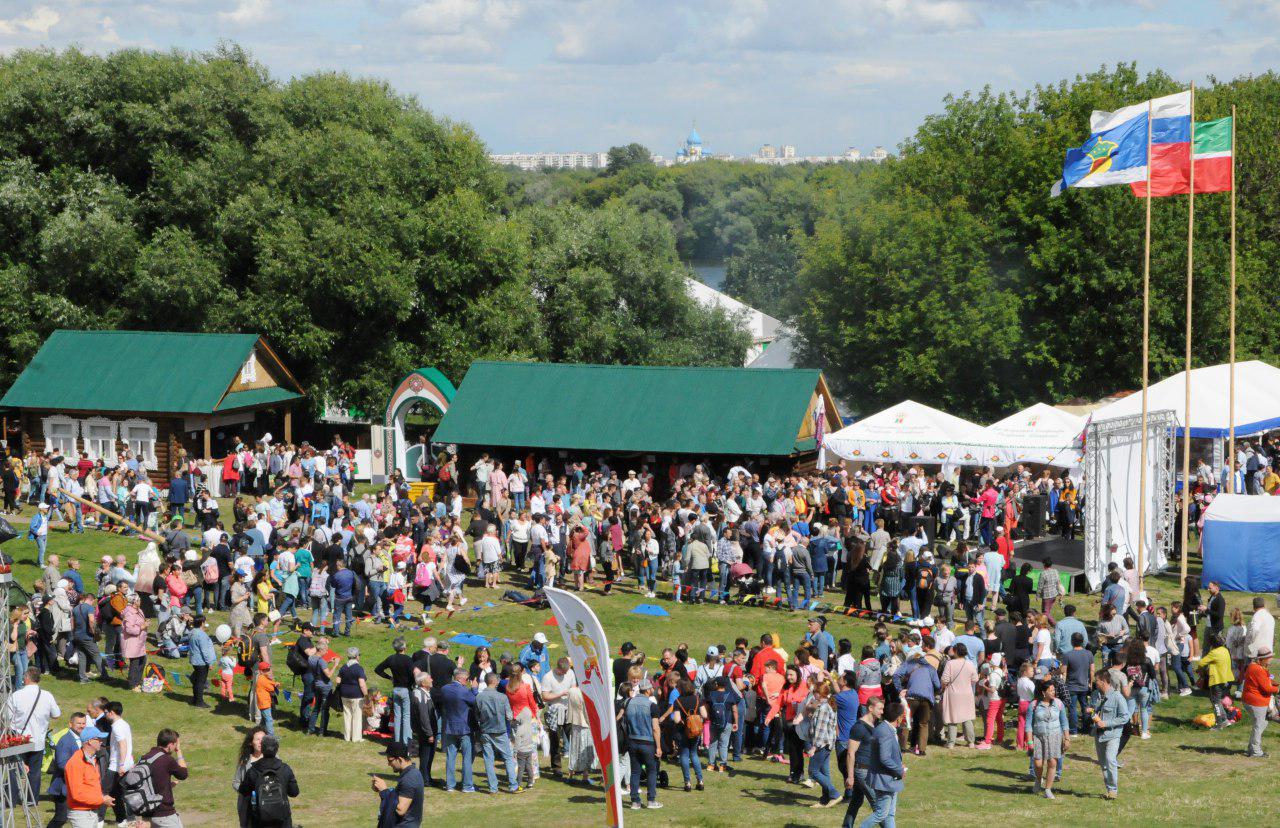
[(948, 274), (361, 234)]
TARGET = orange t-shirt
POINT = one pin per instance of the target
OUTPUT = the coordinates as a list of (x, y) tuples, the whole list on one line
[(263, 690)]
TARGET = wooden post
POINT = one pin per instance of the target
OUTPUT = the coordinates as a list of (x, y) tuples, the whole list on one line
[(208, 444), (1231, 323), (1146, 347), (146, 533), (1186, 402), (288, 425)]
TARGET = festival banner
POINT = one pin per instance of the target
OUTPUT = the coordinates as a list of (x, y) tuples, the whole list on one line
[(584, 639)]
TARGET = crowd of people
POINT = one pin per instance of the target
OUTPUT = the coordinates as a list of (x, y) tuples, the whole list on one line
[(966, 641)]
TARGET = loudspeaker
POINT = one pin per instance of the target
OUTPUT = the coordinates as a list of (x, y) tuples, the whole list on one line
[(1032, 522), (908, 524)]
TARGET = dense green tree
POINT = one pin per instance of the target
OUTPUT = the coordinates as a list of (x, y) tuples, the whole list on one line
[(763, 275), (632, 155), (361, 234)]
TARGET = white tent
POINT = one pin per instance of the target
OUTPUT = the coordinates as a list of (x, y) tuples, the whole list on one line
[(1257, 400), (910, 432), (1039, 434)]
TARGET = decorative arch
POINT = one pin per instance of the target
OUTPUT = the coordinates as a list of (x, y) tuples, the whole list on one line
[(420, 385)]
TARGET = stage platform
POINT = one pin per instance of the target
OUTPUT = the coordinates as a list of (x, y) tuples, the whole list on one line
[(1067, 556)]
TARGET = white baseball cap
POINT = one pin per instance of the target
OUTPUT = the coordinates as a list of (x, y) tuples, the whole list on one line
[(540, 638)]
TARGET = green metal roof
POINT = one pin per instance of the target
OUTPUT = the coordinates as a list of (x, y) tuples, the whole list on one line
[(623, 408), (148, 371), (257, 396)]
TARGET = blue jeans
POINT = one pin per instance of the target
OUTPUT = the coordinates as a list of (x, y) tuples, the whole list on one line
[(798, 580), (718, 750), (1182, 669), (740, 736), (537, 578), (642, 753), (689, 756), (819, 584), (308, 696), (820, 772), (886, 804), (497, 744), (321, 612), (268, 722), (400, 704), (379, 591), (319, 715), (343, 612), (675, 584), (724, 582), (41, 542), (1108, 755), (195, 597), (289, 606), (519, 500), (78, 526), (1075, 710), (304, 590), (452, 744)]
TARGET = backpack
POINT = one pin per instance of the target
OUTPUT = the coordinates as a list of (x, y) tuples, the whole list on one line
[(719, 710), (926, 578), (244, 651), (296, 661), (692, 723), (138, 787), (270, 800), (209, 569), (422, 575)]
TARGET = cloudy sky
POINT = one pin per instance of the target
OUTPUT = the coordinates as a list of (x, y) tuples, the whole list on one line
[(585, 74)]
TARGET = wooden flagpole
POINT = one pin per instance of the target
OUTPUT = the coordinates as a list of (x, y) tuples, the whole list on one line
[(1231, 323), (1186, 403), (1146, 347)]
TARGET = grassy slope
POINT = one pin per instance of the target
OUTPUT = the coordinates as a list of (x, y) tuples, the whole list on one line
[(1177, 777)]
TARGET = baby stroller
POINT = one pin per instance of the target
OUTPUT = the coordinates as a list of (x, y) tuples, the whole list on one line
[(745, 579)]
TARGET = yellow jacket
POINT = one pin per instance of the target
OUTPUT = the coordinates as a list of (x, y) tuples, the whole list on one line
[(1218, 664)]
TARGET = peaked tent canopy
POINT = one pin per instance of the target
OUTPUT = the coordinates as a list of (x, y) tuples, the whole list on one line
[(1257, 400), (633, 409), (911, 432), (1039, 434)]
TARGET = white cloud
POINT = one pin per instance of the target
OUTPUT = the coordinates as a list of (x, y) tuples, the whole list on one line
[(247, 12), (39, 21)]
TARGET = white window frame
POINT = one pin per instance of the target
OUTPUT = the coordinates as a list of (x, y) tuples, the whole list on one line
[(249, 371), (145, 450), (48, 424), (91, 442)]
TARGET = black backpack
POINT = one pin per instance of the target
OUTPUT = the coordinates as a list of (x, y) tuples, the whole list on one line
[(270, 800), (297, 661)]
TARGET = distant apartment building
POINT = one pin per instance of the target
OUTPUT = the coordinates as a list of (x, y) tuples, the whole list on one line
[(553, 160)]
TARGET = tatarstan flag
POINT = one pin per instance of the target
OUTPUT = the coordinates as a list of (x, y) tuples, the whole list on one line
[(1169, 174)]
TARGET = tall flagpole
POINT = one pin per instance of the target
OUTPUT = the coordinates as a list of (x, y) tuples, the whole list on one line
[(1146, 347), (1231, 382), (1186, 404)]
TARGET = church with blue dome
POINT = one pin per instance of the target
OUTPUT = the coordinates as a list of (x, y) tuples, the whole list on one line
[(692, 149)]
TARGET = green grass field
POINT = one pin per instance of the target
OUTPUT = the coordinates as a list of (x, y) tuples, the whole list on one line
[(1183, 775)]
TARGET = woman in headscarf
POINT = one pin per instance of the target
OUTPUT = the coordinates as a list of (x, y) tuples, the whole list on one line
[(144, 575), (133, 640)]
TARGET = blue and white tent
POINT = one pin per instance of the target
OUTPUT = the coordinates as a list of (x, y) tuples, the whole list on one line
[(1242, 543), (1257, 393)]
